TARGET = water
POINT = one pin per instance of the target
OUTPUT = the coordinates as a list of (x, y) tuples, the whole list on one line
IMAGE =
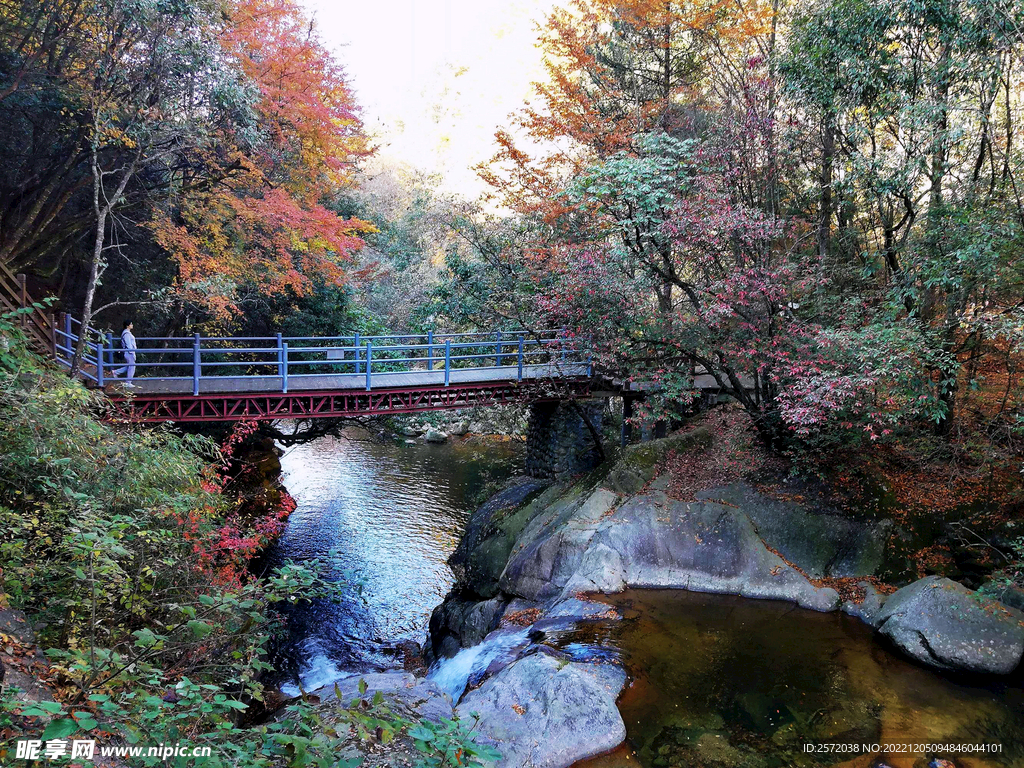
[(717, 681), (723, 682), (453, 675), (383, 517)]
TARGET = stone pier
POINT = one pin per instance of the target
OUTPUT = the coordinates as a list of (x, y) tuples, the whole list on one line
[(558, 440)]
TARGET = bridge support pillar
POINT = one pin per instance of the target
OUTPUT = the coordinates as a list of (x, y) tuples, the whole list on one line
[(558, 439)]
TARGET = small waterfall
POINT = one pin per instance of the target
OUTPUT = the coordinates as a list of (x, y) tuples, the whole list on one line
[(453, 675), (320, 671)]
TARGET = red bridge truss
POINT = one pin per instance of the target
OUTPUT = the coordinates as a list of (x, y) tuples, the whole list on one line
[(230, 406)]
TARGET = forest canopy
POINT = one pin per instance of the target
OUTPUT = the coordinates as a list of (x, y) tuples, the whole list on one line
[(818, 204)]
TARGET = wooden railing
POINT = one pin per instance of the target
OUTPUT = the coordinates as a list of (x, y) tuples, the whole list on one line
[(35, 323)]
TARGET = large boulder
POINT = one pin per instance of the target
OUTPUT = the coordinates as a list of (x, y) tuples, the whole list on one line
[(401, 693), (435, 436), (943, 624), (482, 552), (475, 605), (639, 462), (549, 551), (653, 541), (543, 712), (821, 541)]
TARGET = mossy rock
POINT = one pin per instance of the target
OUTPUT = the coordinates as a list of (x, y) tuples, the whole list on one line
[(639, 463), (820, 540), (492, 531)]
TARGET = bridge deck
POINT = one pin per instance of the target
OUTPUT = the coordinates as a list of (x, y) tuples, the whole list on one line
[(228, 378), (325, 382), (201, 378)]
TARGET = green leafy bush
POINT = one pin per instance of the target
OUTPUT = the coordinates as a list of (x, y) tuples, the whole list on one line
[(118, 541), (451, 744)]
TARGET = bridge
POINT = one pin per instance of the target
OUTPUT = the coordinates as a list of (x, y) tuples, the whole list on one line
[(222, 378), (230, 378)]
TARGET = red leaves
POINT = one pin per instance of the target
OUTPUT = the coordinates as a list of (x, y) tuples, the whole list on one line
[(223, 548), (255, 237), (263, 228)]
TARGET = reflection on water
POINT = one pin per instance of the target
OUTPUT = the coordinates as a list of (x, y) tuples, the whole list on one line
[(718, 682), (384, 514), (722, 682)]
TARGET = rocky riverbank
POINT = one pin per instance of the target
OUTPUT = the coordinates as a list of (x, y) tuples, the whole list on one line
[(508, 421), (534, 551)]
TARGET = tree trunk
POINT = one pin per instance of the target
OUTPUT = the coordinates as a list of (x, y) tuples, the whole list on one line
[(828, 151), (90, 291), (773, 170), (947, 391), (771, 428), (947, 396), (666, 85), (102, 206)]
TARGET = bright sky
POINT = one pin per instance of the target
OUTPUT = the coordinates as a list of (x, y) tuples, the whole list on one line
[(436, 77)]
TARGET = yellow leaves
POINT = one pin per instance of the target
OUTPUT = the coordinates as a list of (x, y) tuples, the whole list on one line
[(112, 135), (586, 108), (728, 20)]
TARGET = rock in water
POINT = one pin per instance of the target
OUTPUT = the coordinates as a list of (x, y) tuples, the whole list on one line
[(435, 436), (540, 712), (652, 541), (405, 692), (821, 541), (944, 624)]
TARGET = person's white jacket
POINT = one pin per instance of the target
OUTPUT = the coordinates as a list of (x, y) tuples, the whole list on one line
[(128, 340), (128, 347)]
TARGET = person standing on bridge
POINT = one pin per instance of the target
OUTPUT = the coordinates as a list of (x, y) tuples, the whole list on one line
[(128, 347)]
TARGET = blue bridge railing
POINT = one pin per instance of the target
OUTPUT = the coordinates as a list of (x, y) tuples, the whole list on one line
[(278, 360)]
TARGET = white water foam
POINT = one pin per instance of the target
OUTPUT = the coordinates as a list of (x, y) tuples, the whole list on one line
[(319, 672), (452, 675)]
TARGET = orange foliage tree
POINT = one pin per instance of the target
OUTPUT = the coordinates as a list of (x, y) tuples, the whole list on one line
[(264, 227), (615, 70)]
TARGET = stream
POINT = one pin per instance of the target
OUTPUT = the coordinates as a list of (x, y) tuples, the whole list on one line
[(382, 517), (717, 681), (724, 681)]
